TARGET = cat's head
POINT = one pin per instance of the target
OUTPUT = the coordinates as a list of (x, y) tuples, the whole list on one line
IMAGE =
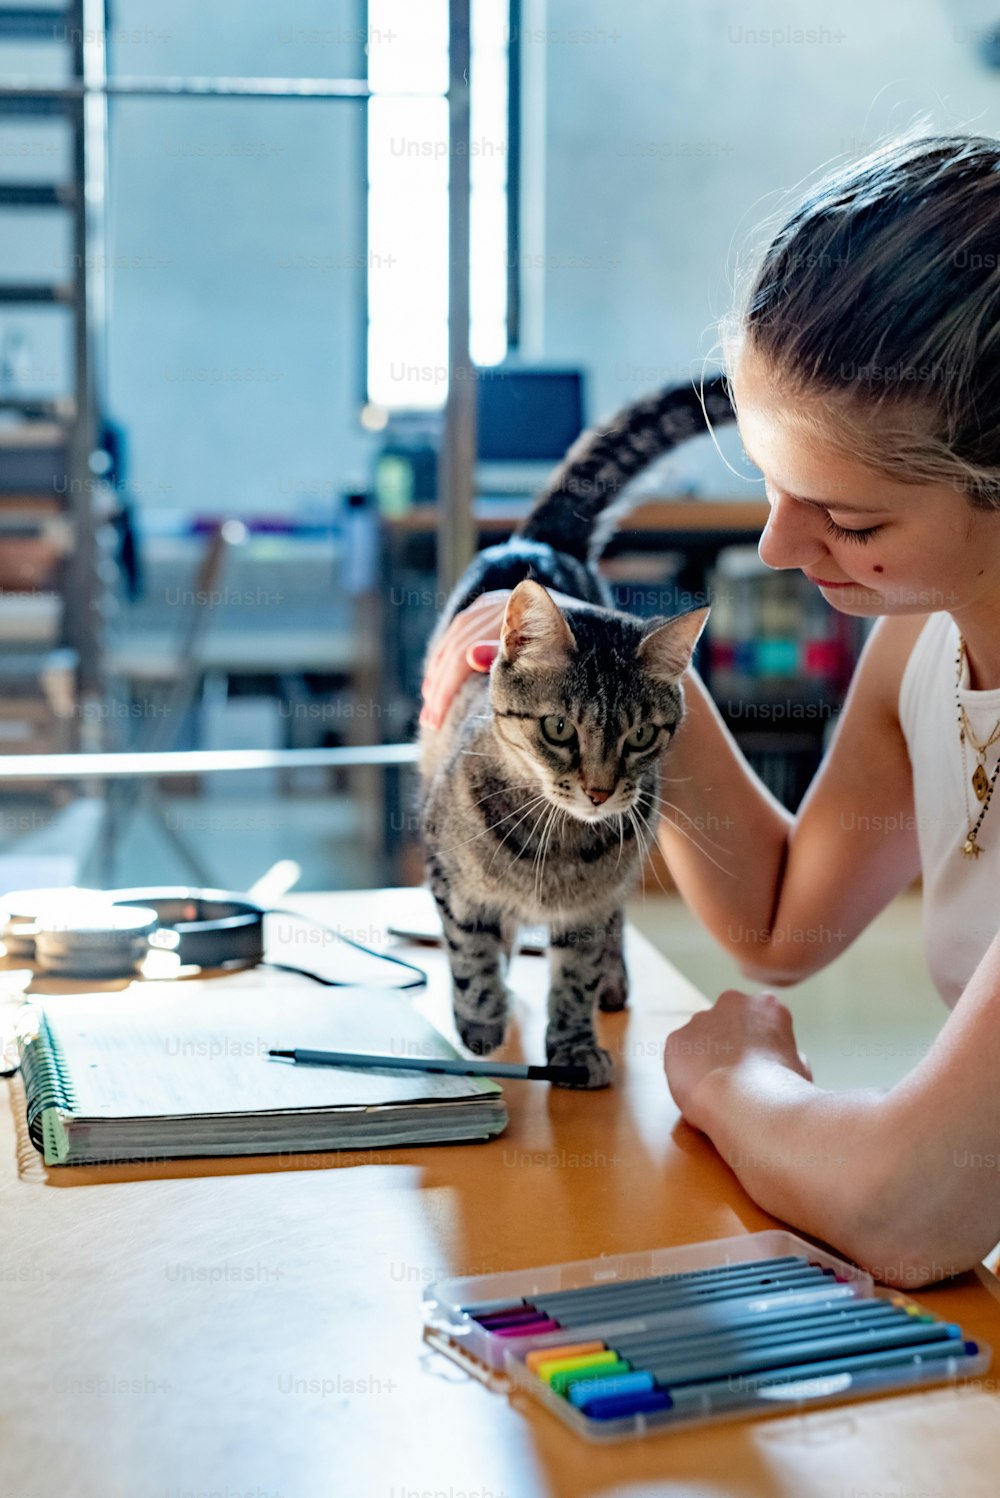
[(588, 700)]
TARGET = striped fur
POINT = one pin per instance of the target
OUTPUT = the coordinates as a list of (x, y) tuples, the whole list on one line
[(518, 827)]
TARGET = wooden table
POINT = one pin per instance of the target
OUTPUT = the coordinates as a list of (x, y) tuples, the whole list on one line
[(240, 1327)]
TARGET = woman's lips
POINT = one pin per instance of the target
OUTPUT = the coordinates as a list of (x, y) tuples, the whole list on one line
[(821, 582)]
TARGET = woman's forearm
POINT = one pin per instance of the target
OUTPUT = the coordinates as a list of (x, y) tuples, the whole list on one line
[(723, 834), (841, 1167), (803, 1154)]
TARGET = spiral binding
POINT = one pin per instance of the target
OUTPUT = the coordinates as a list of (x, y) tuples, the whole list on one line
[(46, 1081)]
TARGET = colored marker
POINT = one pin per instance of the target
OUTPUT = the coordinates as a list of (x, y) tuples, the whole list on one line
[(746, 1330), (721, 1391), (583, 1390), (621, 1406), (698, 1316), (696, 1281), (533, 1360), (561, 1383), (667, 1369), (603, 1307), (710, 1397), (733, 1348), (489, 1307), (550, 1366), (528, 1328), (730, 1352), (766, 1329), (785, 1275)]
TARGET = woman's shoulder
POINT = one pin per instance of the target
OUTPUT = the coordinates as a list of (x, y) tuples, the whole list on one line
[(888, 652)]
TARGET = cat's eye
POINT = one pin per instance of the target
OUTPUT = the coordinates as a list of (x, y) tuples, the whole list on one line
[(641, 737), (558, 730)]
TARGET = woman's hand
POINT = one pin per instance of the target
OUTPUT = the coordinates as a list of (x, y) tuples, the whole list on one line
[(739, 1027), (469, 644)]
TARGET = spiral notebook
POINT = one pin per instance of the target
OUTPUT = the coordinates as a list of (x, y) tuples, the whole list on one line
[(164, 1070)]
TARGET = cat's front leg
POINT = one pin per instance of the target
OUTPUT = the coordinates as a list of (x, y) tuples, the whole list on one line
[(577, 973), (474, 938), (612, 991)]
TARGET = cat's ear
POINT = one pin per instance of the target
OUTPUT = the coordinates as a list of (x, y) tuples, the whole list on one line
[(667, 650), (533, 632)]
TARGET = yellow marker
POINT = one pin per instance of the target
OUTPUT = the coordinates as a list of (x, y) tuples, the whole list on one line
[(570, 1365), (548, 1354)]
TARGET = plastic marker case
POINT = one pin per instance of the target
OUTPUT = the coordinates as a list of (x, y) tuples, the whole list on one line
[(684, 1353)]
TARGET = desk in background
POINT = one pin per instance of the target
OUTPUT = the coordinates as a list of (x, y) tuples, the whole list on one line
[(253, 1325)]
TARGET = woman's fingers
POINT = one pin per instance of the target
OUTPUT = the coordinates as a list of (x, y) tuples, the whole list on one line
[(467, 653), (481, 620), (468, 644), (482, 654)]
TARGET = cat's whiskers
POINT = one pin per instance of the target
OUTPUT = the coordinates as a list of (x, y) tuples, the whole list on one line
[(621, 837), (531, 807), (661, 801), (504, 789), (646, 847), (539, 859), (498, 823), (565, 818), (694, 843), (640, 845), (550, 828), (534, 831)]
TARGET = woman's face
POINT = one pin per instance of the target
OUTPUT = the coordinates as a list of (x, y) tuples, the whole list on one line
[(871, 545)]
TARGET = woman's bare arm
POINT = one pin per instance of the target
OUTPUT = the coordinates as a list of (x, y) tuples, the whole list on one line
[(907, 1183), (784, 895)]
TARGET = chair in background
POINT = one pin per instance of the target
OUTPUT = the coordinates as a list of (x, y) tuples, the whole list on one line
[(169, 685)]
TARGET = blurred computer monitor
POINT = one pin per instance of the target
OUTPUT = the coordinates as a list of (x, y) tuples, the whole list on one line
[(526, 419)]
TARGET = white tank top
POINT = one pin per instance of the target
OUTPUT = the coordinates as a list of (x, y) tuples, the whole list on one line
[(961, 896)]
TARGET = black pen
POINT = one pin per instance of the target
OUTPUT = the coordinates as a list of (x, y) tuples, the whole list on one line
[(454, 1067)]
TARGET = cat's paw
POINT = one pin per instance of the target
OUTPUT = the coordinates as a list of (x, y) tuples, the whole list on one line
[(481, 1036), (613, 995), (598, 1062)]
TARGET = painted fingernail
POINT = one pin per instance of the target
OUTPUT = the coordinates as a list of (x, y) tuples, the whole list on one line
[(481, 655)]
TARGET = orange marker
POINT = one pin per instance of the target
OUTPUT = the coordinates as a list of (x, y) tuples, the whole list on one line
[(550, 1354)]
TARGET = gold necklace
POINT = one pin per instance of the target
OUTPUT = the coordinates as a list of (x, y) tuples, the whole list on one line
[(982, 783)]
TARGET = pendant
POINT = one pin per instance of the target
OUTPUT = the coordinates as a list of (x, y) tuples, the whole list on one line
[(971, 848), (980, 782)]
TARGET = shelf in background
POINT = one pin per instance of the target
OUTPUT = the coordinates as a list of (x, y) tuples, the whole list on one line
[(688, 517)]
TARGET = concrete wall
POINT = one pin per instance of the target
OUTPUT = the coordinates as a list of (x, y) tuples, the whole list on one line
[(656, 136), (673, 128)]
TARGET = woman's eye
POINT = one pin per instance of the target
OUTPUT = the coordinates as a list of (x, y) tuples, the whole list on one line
[(843, 534), (641, 737), (558, 730)]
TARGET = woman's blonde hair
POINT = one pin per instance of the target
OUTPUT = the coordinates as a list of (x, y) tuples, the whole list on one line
[(875, 311)]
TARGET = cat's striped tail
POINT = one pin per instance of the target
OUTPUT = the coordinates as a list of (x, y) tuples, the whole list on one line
[(574, 513)]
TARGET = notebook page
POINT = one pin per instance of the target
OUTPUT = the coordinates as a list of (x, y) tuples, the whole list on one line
[(177, 1049)]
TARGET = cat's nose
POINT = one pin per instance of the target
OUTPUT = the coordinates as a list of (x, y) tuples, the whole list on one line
[(597, 795)]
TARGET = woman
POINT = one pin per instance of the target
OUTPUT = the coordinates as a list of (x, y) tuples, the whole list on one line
[(864, 365)]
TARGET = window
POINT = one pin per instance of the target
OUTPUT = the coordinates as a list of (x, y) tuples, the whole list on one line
[(408, 154)]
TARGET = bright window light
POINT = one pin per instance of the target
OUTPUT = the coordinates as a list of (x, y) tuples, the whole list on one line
[(408, 197)]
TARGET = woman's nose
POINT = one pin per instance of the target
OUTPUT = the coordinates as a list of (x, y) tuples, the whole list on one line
[(793, 535)]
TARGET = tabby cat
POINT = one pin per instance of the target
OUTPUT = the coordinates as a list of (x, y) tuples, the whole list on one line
[(539, 793)]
